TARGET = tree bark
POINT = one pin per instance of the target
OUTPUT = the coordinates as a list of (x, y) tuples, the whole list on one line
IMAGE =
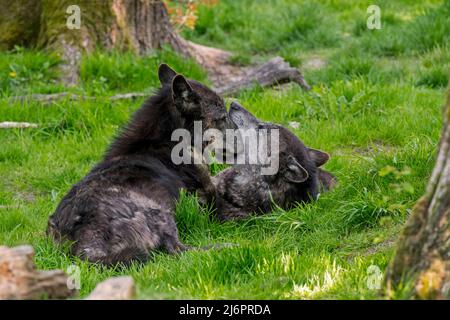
[(422, 261), (19, 26)]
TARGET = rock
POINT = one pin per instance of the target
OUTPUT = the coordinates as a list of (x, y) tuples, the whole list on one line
[(19, 278), (118, 288)]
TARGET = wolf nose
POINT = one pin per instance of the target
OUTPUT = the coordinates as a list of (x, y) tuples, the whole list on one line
[(234, 105)]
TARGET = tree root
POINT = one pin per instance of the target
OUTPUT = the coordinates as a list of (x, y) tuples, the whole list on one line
[(228, 79)]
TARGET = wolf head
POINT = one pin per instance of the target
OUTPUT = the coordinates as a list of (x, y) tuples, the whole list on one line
[(180, 109), (195, 101), (297, 162)]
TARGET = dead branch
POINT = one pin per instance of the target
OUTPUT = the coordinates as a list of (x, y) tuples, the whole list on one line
[(55, 97), (17, 125)]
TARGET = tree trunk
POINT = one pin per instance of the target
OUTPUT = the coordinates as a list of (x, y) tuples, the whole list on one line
[(19, 26), (137, 25), (422, 261)]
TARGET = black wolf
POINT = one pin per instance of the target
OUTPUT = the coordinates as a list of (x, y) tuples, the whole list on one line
[(124, 207), (242, 189)]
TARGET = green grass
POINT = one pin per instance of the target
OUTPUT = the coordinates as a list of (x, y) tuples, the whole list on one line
[(375, 106)]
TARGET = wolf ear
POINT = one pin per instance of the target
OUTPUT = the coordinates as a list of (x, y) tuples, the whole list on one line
[(183, 95), (181, 88), (295, 172), (165, 74), (319, 157), (327, 181), (244, 119)]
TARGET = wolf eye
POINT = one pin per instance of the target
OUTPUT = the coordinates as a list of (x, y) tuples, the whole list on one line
[(222, 118)]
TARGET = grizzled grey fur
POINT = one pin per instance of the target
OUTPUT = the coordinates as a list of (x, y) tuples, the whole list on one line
[(124, 207), (242, 190)]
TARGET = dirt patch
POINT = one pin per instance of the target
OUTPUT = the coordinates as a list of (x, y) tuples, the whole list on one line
[(371, 150), (314, 63), (386, 244)]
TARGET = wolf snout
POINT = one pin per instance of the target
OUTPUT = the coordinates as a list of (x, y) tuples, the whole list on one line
[(235, 106)]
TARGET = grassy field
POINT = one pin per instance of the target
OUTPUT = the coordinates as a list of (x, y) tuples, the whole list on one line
[(375, 106)]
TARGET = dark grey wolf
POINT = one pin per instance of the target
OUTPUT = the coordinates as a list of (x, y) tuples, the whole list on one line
[(124, 207), (242, 190)]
